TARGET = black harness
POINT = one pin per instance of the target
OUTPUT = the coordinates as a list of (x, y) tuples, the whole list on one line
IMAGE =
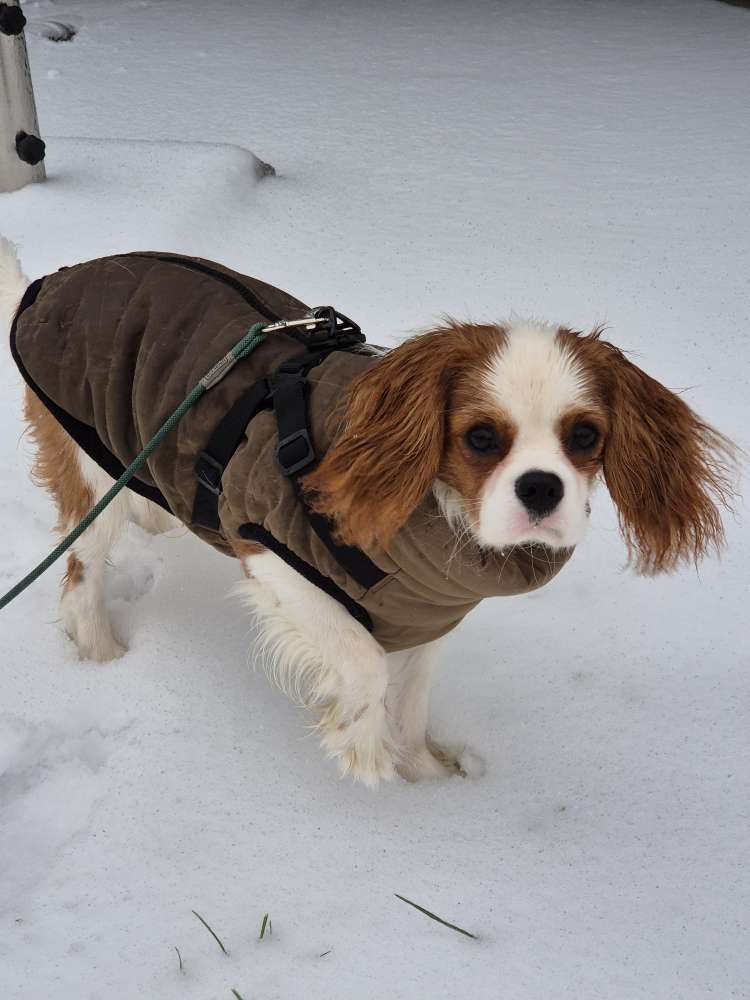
[(286, 392)]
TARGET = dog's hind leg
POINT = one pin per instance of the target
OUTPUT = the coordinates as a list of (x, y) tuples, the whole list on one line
[(76, 484), (150, 516)]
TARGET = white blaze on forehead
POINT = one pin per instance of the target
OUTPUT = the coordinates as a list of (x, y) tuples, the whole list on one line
[(533, 377)]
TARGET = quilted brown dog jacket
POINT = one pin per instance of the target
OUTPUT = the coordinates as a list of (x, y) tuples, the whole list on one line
[(113, 346)]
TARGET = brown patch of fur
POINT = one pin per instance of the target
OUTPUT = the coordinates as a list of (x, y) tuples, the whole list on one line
[(243, 549), (461, 467), (392, 444), (73, 574), (668, 472), (56, 466)]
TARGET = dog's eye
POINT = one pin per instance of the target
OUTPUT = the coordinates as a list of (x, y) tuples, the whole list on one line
[(482, 439), (582, 437)]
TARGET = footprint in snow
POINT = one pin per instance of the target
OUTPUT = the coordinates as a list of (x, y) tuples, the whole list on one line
[(51, 777), (130, 582)]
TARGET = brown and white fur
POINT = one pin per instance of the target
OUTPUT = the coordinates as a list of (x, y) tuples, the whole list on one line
[(509, 425)]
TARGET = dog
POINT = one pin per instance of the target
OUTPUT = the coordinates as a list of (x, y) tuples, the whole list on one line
[(469, 446)]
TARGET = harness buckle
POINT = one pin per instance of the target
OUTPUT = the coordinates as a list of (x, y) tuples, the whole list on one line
[(208, 472), (333, 328), (295, 452)]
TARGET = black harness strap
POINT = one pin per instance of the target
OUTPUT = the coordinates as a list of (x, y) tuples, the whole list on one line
[(257, 533), (295, 452), (286, 388), (352, 560), (221, 446)]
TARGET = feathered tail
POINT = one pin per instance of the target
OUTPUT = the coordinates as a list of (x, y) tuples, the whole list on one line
[(13, 283)]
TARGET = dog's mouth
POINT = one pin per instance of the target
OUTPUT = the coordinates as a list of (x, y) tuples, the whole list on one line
[(541, 532)]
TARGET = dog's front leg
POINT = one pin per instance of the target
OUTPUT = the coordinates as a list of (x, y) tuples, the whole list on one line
[(318, 653), (408, 702)]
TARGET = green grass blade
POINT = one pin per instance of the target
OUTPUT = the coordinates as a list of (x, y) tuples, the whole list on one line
[(265, 926), (237, 995), (434, 916), (213, 934), (179, 956)]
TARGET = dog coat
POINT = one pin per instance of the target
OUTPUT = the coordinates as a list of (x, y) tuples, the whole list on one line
[(113, 346)]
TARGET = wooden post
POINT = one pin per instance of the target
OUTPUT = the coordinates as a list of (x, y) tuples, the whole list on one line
[(21, 149)]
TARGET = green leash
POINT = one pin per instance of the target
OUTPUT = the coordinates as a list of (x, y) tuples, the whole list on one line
[(252, 339)]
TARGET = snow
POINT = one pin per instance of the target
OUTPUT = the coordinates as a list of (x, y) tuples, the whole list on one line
[(581, 162)]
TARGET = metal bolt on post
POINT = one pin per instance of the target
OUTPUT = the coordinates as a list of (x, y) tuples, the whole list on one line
[(21, 148)]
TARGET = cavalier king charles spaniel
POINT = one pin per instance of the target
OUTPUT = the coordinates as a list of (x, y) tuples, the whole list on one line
[(509, 426)]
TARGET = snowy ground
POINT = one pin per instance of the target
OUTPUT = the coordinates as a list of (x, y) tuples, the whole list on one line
[(579, 161)]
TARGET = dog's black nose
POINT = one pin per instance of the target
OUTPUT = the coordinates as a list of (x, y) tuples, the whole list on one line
[(539, 492)]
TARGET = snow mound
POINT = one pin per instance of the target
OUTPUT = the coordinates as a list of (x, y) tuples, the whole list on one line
[(53, 31), (99, 192)]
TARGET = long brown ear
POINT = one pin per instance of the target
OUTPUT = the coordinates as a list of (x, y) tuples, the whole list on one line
[(389, 450), (667, 471)]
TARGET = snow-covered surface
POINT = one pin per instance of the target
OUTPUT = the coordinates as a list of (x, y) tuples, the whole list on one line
[(580, 161)]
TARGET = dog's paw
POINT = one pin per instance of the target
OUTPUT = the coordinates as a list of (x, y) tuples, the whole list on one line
[(369, 764), (436, 761), (360, 744), (94, 641), (420, 765), (99, 649), (429, 761), (471, 765)]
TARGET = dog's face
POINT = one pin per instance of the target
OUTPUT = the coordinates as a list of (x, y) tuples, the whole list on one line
[(509, 425), (525, 436)]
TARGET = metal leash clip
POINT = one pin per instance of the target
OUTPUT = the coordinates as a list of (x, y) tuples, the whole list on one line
[(307, 321), (321, 327)]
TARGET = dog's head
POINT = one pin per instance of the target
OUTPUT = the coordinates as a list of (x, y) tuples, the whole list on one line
[(510, 426)]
